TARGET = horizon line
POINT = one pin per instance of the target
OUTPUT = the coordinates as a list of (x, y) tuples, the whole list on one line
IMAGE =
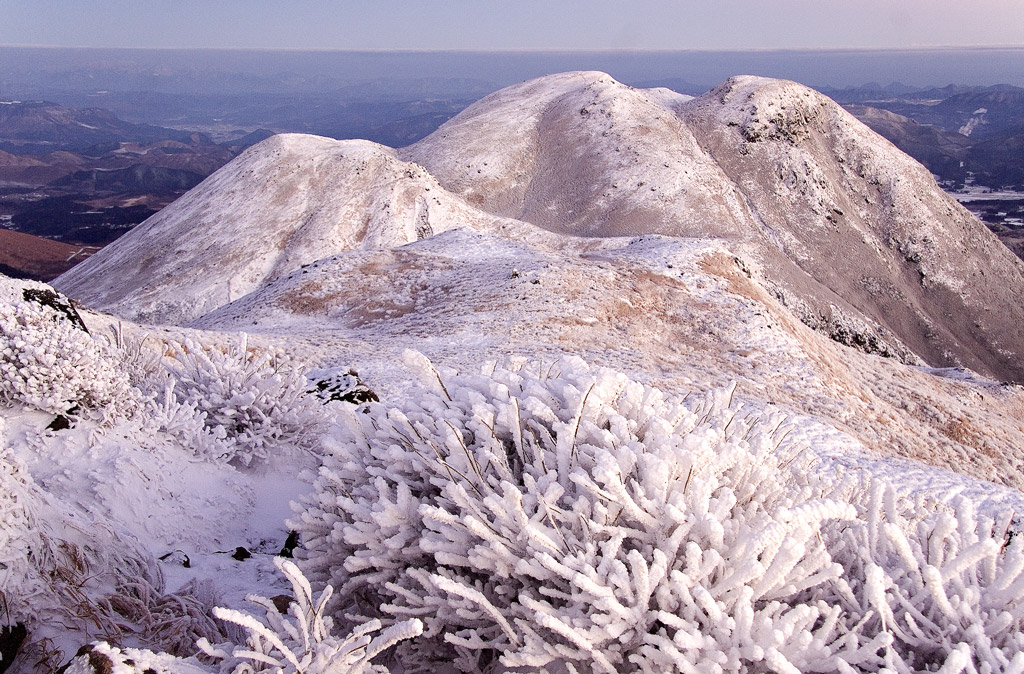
[(638, 50)]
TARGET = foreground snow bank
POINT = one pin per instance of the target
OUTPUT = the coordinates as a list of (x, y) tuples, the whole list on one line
[(152, 453), (299, 641)]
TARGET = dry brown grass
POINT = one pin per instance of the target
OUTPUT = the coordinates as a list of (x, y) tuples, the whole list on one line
[(38, 258)]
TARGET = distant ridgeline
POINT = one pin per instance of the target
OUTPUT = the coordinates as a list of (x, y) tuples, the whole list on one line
[(76, 171)]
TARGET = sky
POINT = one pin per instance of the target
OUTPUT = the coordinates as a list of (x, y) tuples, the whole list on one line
[(513, 25)]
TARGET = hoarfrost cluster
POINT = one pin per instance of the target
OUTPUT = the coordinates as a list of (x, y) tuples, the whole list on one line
[(300, 641), (49, 363), (563, 518), (254, 399)]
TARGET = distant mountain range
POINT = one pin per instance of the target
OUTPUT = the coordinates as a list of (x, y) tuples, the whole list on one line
[(39, 127), (960, 133), (84, 176)]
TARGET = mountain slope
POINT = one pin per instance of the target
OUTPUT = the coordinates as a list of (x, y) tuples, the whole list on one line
[(850, 233), (580, 153), (854, 235), (943, 152), (284, 203), (865, 225), (679, 312)]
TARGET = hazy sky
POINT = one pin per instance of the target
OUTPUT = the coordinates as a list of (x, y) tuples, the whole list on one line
[(509, 24)]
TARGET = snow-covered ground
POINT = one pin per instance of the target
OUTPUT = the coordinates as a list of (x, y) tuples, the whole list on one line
[(150, 499)]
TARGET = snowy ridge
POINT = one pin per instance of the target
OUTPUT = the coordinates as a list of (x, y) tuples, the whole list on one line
[(284, 203), (866, 222), (853, 235), (681, 313), (580, 153)]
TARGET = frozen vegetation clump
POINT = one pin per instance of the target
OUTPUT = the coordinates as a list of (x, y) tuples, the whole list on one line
[(225, 402), (251, 401), (939, 585), (62, 574), (532, 517), (301, 641), (49, 362), (231, 402), (298, 642), (565, 518)]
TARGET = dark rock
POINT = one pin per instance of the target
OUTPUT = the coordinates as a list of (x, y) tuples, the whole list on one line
[(346, 388), (177, 556), (290, 544), (98, 662), (54, 300), (11, 639), (61, 422), (281, 602)]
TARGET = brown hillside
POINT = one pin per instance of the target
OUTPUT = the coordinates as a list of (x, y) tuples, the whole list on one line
[(27, 256)]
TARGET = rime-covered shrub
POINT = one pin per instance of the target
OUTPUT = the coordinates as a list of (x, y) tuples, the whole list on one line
[(297, 643), (172, 622), (186, 424), (141, 357), (254, 399), (301, 642), (49, 363), (572, 517), (565, 518), (942, 587)]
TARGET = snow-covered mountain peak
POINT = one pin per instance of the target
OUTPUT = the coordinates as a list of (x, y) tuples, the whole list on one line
[(771, 109), (284, 203), (666, 98), (580, 153), (853, 233), (862, 227)]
